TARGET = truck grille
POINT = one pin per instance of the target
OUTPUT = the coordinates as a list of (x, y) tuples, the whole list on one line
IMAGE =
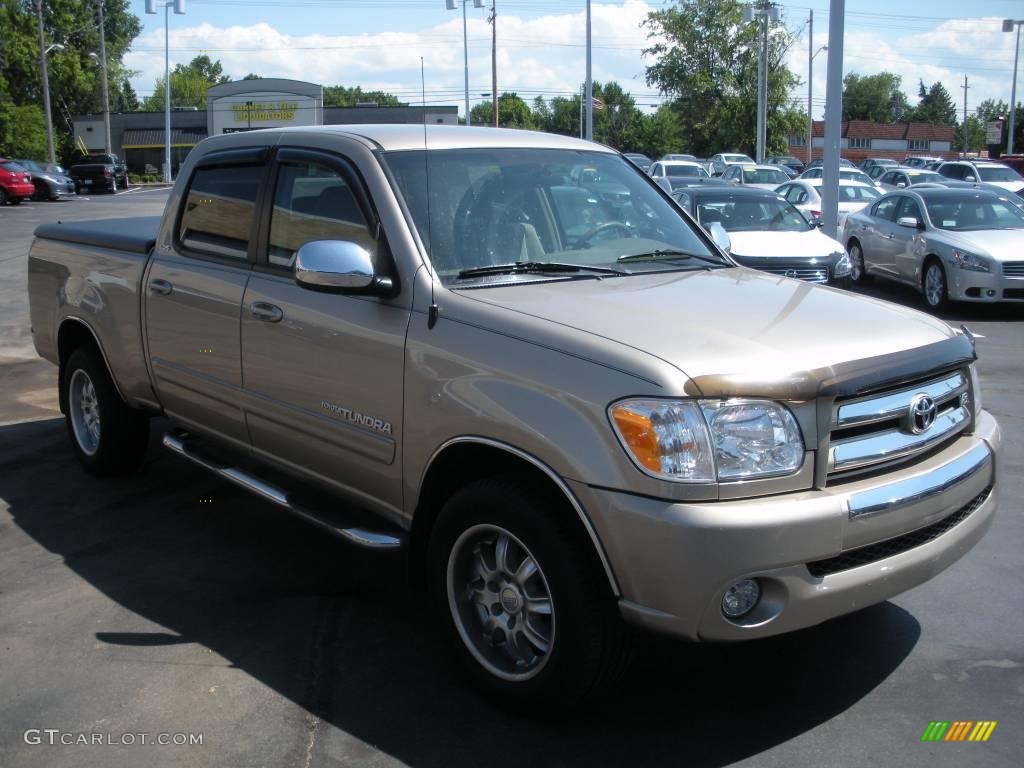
[(869, 431), (1013, 268), (883, 549), (810, 274)]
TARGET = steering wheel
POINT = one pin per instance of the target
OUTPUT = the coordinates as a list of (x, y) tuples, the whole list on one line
[(620, 225)]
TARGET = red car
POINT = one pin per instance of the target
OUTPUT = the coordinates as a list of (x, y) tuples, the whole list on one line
[(15, 183)]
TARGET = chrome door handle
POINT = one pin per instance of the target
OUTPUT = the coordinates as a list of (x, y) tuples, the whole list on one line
[(261, 310), (160, 286)]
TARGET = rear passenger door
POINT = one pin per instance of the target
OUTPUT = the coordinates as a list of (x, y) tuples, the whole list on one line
[(193, 294), (323, 371)]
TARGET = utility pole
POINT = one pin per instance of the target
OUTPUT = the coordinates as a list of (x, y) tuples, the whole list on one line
[(103, 76), (763, 12), (46, 84), (494, 59), (963, 129), (810, 77), (590, 85), (833, 118), (1008, 25)]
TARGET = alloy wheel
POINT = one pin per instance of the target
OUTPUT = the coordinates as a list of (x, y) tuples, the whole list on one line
[(934, 285), (85, 412)]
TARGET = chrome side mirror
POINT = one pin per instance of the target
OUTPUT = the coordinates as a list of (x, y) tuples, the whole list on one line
[(909, 221), (339, 266), (720, 236)]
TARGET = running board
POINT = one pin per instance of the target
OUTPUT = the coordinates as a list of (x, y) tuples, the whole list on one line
[(358, 536)]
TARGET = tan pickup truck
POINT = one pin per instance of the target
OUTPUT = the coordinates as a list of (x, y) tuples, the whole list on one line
[(514, 357)]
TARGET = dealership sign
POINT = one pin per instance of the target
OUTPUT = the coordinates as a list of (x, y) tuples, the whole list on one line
[(282, 110)]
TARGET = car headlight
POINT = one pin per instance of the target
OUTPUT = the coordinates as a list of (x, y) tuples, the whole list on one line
[(701, 441), (976, 389), (969, 261), (842, 267)]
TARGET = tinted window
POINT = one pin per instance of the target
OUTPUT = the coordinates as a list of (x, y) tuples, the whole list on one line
[(974, 213), (952, 171), (761, 176), (849, 194), (886, 209), (219, 207), (681, 171), (750, 214), (891, 177), (910, 208), (998, 174)]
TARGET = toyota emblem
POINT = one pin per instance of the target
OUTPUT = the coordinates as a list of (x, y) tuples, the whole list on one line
[(790, 273), (922, 413)]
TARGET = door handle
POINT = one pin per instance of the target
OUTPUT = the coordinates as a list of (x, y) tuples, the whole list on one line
[(160, 286), (261, 310)]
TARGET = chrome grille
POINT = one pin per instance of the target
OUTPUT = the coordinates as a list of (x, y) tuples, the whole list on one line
[(1013, 268), (810, 274), (878, 429)]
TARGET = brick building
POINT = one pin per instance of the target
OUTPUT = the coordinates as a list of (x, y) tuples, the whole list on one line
[(863, 138)]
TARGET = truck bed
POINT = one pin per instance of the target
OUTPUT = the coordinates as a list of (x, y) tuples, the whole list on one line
[(134, 235)]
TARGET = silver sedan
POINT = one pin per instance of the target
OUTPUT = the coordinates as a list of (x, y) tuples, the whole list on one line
[(950, 244)]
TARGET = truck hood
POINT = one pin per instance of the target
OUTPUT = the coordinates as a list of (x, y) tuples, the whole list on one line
[(1000, 244), (730, 330)]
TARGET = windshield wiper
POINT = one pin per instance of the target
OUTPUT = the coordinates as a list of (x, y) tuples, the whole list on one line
[(669, 254), (536, 267)]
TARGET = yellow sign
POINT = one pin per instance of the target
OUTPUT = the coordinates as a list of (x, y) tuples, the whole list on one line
[(282, 110)]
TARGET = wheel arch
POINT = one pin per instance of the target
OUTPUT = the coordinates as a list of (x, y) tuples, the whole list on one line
[(462, 460), (74, 333)]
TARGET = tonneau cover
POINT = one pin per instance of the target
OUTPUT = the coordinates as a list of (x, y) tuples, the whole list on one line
[(135, 235)]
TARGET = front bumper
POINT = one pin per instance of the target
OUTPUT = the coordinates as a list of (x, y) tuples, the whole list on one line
[(986, 287), (818, 554)]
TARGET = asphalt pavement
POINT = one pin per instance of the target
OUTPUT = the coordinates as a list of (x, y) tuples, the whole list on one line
[(171, 604)]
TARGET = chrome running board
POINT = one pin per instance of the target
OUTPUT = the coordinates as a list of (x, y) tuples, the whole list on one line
[(355, 535)]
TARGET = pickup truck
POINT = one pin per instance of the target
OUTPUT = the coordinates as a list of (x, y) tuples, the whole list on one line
[(574, 415), (93, 172)]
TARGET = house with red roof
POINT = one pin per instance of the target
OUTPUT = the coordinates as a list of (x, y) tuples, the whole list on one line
[(863, 138)]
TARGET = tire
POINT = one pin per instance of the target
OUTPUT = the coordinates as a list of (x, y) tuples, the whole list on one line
[(16, 200), (42, 192), (572, 645), (113, 185), (3, 195), (107, 436), (934, 285), (858, 273)]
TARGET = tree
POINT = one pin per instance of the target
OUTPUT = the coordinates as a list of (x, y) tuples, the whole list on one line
[(253, 76), (935, 106), (513, 112), (660, 133), (189, 83), (706, 62), (340, 96), (879, 98), (127, 100), (22, 131)]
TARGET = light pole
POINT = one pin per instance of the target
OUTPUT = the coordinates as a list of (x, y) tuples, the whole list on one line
[(179, 8), (103, 78), (764, 12), (590, 85), (450, 5), (1008, 25), (810, 78), (43, 50)]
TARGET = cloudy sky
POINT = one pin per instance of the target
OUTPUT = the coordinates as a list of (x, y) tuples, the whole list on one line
[(377, 44)]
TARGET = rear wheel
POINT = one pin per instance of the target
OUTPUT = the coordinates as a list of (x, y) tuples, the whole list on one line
[(3, 195), (16, 201), (108, 437), (113, 185), (858, 274), (934, 286)]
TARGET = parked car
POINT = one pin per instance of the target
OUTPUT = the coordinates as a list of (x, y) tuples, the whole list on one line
[(950, 244), (718, 163), (677, 169), (933, 165), (48, 184), (805, 196), (875, 172), (765, 232), (762, 176), (15, 182), (679, 156), (643, 162), (845, 174), (989, 172), (101, 171), (561, 414), (873, 162), (787, 161), (672, 183), (899, 178), (920, 161), (1013, 161), (819, 162)]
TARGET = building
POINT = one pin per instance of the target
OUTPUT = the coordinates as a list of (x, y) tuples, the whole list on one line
[(862, 139), (241, 105)]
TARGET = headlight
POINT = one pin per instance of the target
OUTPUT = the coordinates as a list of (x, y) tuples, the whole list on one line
[(969, 261), (842, 267), (702, 441), (976, 389)]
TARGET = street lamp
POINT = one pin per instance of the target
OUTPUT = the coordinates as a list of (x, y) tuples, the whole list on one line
[(451, 5), (810, 120), (46, 80), (101, 59), (179, 8), (1008, 25)]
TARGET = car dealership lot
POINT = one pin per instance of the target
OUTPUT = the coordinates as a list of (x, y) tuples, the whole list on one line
[(171, 603)]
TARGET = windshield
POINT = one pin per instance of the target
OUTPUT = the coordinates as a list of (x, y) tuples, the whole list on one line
[(925, 177), (31, 165), (959, 214), (506, 206), (854, 176), (849, 194), (999, 174), (12, 167), (681, 171), (750, 214), (737, 159), (764, 176)]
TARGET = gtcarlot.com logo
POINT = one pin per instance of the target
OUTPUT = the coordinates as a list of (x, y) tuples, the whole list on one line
[(958, 730), (54, 736)]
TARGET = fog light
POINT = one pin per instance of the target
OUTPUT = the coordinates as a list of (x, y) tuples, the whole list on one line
[(741, 598)]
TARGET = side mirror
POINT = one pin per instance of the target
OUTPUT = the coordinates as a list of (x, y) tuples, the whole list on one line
[(909, 221), (720, 236), (901, 183), (969, 177), (339, 266)]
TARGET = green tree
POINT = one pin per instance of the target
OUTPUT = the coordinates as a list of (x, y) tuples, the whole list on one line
[(617, 124), (935, 106), (660, 133), (127, 100), (340, 96), (706, 62), (189, 83), (513, 112), (879, 98), (253, 76), (22, 131)]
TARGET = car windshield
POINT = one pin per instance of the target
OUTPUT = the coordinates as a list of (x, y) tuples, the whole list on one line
[(960, 214), (999, 174), (519, 205), (750, 214), (685, 171), (850, 194), (923, 177), (764, 176), (852, 175), (13, 167), (737, 159), (31, 165)]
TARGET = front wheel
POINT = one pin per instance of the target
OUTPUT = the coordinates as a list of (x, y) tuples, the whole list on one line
[(522, 598), (107, 436), (858, 273), (936, 290)]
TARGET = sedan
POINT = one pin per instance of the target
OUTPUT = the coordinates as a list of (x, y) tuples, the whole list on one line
[(901, 178), (762, 176), (819, 162), (805, 195), (762, 231), (49, 184), (845, 174), (643, 162), (15, 182), (950, 244)]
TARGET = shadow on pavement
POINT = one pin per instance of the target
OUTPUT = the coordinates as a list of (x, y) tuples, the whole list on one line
[(954, 314), (339, 632)]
